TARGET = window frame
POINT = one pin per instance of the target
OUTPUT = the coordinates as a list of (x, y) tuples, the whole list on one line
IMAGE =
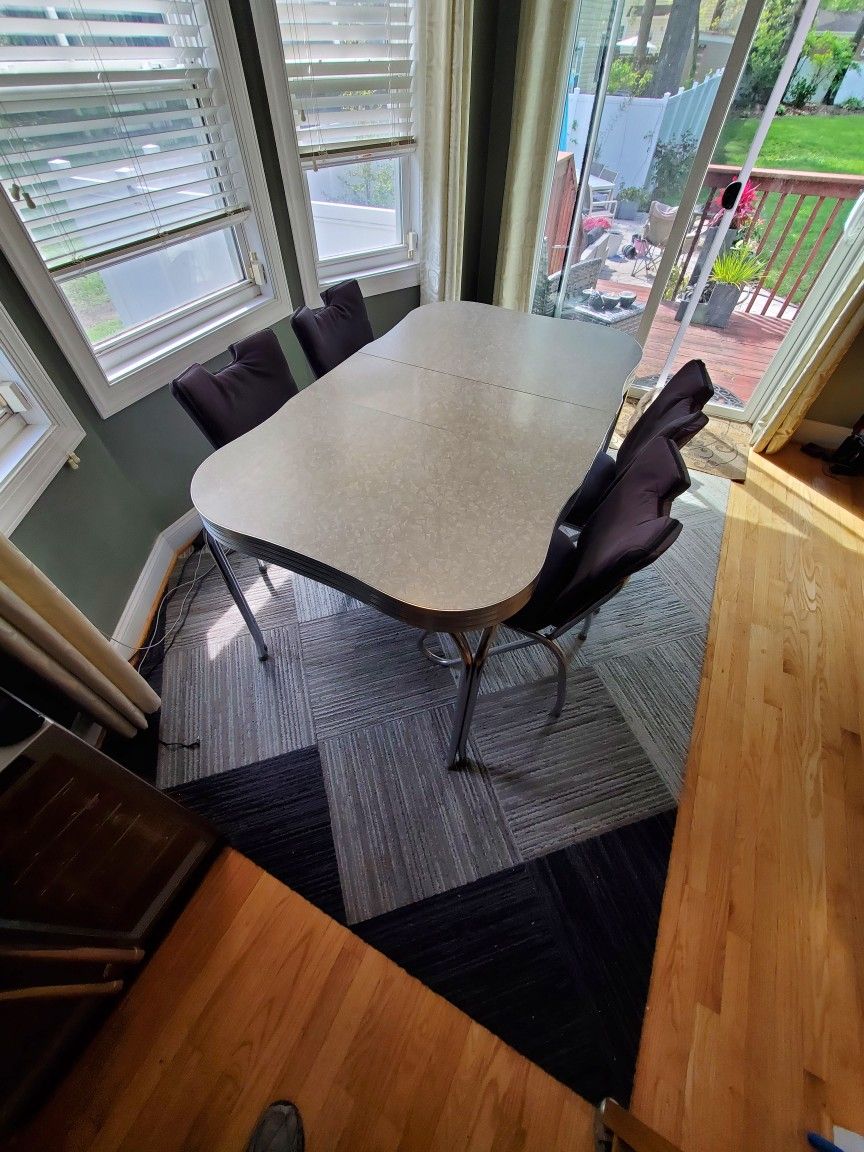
[(384, 270), (201, 330), (38, 451)]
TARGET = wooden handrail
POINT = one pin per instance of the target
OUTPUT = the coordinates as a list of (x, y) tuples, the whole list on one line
[(839, 185)]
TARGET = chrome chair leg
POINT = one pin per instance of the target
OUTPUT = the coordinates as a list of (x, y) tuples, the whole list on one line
[(561, 660), (262, 566), (236, 591), (469, 686), (441, 661)]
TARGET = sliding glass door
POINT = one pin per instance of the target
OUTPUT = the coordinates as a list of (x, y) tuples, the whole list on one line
[(661, 106)]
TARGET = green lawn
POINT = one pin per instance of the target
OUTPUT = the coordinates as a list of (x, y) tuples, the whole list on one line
[(804, 144)]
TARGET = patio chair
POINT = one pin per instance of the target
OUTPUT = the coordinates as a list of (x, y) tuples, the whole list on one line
[(584, 273), (655, 236)]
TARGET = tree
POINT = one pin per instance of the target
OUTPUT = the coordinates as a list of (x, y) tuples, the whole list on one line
[(831, 56), (370, 184), (681, 33), (769, 50)]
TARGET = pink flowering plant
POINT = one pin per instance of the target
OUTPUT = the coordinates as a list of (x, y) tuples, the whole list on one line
[(596, 222), (744, 213)]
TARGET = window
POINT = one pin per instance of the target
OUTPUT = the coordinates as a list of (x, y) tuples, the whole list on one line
[(345, 75), (129, 163), (37, 430)]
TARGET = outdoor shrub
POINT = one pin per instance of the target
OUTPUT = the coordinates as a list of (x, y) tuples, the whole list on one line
[(831, 56), (854, 104), (671, 167), (626, 78), (770, 45), (800, 92)]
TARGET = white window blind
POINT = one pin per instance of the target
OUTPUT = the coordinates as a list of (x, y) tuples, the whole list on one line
[(350, 68), (112, 138)]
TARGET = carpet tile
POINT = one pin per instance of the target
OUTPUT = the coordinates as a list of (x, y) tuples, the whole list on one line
[(240, 708), (554, 956), (404, 827), (362, 667), (656, 689), (565, 780), (276, 813)]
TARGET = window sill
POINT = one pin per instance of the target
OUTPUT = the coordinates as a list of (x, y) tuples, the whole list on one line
[(375, 281), (175, 356)]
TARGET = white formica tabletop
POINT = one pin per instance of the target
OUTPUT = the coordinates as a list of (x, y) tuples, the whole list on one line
[(426, 473)]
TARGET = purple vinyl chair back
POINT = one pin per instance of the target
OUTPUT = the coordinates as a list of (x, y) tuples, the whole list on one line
[(676, 414), (629, 530), (239, 397), (331, 334)]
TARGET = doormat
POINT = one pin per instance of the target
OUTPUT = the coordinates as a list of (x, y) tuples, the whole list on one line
[(720, 448)]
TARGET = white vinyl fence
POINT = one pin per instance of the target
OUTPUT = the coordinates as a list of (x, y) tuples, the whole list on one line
[(632, 126)]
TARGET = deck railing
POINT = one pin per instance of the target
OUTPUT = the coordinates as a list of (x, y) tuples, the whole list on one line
[(795, 223)]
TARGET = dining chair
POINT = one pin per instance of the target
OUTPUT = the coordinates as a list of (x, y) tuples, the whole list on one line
[(331, 334), (225, 405), (676, 413), (239, 397), (630, 529)]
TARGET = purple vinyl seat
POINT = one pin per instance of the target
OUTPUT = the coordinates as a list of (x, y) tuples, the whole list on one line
[(225, 405), (676, 414), (630, 529), (239, 397), (331, 334)]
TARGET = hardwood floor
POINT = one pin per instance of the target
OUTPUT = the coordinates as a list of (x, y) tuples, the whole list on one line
[(755, 1024), (256, 996)]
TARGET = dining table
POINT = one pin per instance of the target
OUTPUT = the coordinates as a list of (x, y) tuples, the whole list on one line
[(426, 474)]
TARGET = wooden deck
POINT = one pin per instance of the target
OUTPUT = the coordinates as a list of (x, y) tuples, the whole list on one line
[(736, 356)]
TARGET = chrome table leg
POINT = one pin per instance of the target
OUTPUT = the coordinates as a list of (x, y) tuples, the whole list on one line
[(237, 594), (469, 686)]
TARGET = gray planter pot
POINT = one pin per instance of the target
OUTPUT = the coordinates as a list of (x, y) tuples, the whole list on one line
[(717, 310), (626, 210)]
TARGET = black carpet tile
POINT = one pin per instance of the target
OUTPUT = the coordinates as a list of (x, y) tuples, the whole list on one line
[(553, 956), (276, 813)]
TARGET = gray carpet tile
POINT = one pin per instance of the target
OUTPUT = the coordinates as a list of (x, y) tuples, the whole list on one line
[(315, 600), (362, 667), (707, 493), (562, 781), (656, 690), (404, 826), (242, 709), (692, 569), (213, 617), (645, 613)]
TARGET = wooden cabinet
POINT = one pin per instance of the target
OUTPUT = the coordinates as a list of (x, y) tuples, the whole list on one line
[(93, 865)]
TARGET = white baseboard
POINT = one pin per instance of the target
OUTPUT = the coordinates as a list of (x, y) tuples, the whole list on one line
[(139, 606), (830, 435)]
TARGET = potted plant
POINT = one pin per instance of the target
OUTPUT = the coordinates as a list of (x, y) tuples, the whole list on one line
[(733, 270), (629, 202), (741, 221)]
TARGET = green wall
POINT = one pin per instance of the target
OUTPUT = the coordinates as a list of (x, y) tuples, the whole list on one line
[(92, 529)]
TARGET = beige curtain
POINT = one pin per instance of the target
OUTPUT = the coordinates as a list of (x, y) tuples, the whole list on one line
[(827, 323), (446, 99), (546, 31), (45, 631)]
